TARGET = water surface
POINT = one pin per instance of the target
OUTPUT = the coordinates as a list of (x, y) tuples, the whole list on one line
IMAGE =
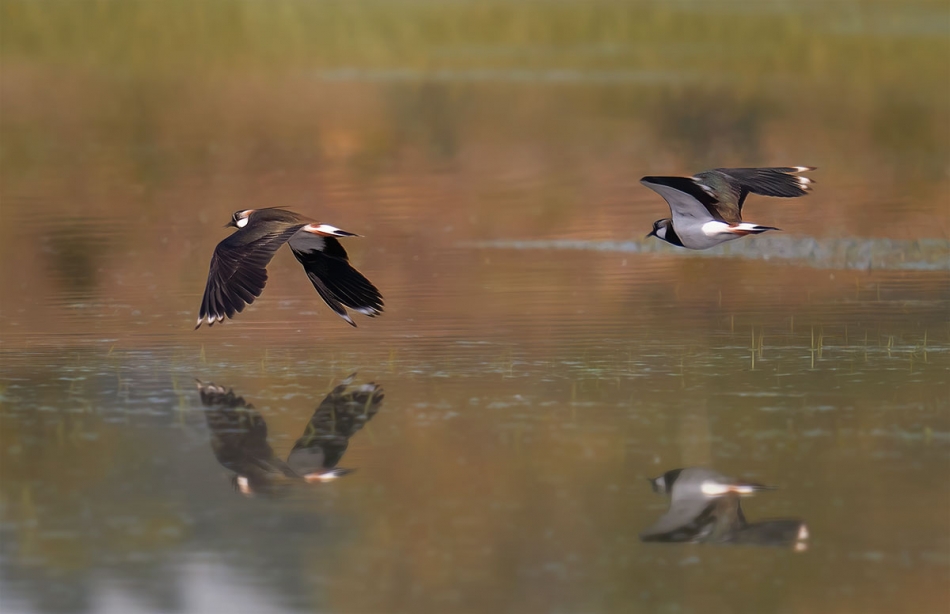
[(540, 359)]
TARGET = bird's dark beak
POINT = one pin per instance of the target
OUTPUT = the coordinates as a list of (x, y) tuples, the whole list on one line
[(651, 234), (230, 224)]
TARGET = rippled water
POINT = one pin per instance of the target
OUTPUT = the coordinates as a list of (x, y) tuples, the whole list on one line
[(538, 358)]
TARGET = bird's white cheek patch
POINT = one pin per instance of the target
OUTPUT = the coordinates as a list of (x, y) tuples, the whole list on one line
[(241, 223)]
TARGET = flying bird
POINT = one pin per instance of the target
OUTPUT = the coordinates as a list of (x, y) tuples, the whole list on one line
[(707, 208), (705, 507), (239, 265)]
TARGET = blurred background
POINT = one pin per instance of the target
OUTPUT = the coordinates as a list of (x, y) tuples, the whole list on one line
[(529, 388)]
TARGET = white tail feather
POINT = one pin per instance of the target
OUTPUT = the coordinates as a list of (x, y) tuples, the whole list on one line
[(328, 231)]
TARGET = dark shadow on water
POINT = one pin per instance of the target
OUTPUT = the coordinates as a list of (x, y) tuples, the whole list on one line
[(705, 507), (239, 437)]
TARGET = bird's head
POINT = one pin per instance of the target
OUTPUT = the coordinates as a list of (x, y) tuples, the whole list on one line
[(659, 229), (664, 483), (658, 485), (239, 218)]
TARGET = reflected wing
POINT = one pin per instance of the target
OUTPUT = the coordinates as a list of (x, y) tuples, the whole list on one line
[(336, 281), (238, 433), (219, 396), (780, 181), (336, 419), (698, 520), (688, 202), (683, 522), (238, 272), (779, 532)]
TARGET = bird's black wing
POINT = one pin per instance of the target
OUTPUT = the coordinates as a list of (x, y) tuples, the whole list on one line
[(238, 433), (238, 272), (685, 521), (336, 281), (698, 519), (780, 181)]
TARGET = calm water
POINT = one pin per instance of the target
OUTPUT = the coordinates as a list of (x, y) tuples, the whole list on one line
[(539, 359)]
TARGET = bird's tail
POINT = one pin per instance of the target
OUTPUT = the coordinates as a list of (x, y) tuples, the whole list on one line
[(327, 474), (748, 488), (746, 228)]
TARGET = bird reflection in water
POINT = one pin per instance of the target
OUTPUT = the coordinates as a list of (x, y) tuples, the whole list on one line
[(239, 437), (705, 507)]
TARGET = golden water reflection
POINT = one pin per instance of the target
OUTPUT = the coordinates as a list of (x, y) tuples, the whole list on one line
[(531, 384)]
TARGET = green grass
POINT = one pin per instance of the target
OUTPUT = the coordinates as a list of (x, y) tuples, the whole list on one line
[(853, 41)]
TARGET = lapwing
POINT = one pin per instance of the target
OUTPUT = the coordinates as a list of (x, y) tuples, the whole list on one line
[(239, 437), (705, 507), (698, 508), (707, 208), (238, 267)]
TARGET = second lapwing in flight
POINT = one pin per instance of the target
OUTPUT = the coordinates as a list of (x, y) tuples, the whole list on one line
[(705, 507), (239, 265), (707, 207)]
